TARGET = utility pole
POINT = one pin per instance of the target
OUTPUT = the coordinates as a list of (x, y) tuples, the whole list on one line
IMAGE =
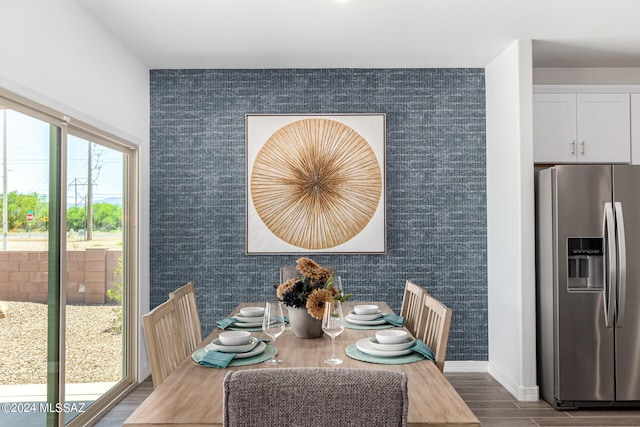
[(89, 234)]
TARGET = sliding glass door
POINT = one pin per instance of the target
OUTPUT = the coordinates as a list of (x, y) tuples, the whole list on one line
[(67, 269)]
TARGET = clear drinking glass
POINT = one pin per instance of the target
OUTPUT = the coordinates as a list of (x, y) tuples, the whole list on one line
[(333, 325), (273, 326), (337, 283)]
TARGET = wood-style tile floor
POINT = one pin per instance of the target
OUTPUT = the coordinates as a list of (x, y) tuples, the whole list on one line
[(119, 413), (489, 401), (495, 406)]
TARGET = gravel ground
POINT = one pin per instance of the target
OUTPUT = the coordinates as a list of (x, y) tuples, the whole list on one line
[(94, 352)]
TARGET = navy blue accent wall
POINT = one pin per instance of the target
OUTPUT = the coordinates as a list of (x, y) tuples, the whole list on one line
[(436, 194)]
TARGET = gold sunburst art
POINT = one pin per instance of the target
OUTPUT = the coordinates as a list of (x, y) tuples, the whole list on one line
[(316, 183)]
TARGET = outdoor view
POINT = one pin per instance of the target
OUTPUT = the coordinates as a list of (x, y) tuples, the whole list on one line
[(94, 346)]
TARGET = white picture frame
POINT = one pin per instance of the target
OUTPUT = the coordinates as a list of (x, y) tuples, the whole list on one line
[(315, 183)]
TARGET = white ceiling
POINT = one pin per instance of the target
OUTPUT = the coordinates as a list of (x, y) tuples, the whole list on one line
[(371, 33)]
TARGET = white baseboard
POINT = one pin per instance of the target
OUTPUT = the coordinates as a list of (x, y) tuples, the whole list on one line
[(465, 366), (523, 394)]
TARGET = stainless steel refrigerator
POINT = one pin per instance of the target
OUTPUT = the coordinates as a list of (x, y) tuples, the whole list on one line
[(588, 285)]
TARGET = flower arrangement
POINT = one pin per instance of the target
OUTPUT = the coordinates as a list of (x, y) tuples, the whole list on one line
[(311, 289)]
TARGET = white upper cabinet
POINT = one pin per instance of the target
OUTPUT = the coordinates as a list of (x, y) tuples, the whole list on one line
[(554, 128), (581, 128), (604, 128)]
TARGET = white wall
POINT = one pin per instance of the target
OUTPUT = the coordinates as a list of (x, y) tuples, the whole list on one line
[(510, 221), (56, 54)]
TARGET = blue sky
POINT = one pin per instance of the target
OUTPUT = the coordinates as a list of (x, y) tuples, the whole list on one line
[(28, 156)]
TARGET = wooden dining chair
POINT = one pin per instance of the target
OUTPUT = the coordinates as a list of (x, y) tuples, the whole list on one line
[(435, 322), (188, 319), (332, 396), (411, 305), (164, 344), (288, 272)]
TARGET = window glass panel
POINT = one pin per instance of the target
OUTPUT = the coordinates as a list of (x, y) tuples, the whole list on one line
[(95, 348), (24, 266)]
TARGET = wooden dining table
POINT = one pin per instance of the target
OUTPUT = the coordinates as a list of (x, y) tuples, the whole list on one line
[(192, 394)]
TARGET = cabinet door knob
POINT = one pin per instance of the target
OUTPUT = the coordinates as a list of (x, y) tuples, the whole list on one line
[(582, 144), (573, 147)]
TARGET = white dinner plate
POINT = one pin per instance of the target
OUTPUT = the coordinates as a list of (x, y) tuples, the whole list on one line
[(246, 324), (259, 349), (392, 347), (365, 316), (218, 346), (365, 346), (365, 322), (248, 319)]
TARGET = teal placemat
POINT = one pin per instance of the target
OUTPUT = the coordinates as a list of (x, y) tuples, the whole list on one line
[(353, 352), (267, 354), (258, 358), (350, 325)]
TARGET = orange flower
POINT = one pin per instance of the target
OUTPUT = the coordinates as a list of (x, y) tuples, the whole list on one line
[(316, 300), (311, 269), (283, 288)]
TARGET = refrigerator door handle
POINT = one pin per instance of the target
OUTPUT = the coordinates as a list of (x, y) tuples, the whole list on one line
[(608, 231), (622, 265)]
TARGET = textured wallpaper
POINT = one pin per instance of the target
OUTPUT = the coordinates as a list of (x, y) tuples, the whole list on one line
[(435, 186)]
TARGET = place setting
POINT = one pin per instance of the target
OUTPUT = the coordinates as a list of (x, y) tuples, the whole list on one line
[(248, 319), (390, 347), (369, 316), (240, 348), (234, 348)]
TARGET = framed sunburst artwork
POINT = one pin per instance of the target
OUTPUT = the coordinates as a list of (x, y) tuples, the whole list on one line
[(315, 183)]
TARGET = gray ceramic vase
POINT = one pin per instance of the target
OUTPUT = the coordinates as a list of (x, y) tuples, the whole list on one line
[(303, 325)]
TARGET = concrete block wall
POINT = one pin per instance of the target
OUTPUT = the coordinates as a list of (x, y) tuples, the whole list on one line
[(90, 273)]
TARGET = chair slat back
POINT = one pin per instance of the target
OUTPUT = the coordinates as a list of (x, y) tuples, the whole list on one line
[(435, 322), (164, 344), (411, 305), (189, 320)]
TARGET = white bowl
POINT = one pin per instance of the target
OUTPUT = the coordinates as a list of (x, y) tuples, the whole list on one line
[(392, 347), (235, 337), (353, 315), (218, 346), (252, 311), (365, 309), (391, 336)]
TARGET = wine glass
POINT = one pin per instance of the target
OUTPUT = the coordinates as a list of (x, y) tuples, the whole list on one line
[(333, 325), (337, 283), (273, 326)]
